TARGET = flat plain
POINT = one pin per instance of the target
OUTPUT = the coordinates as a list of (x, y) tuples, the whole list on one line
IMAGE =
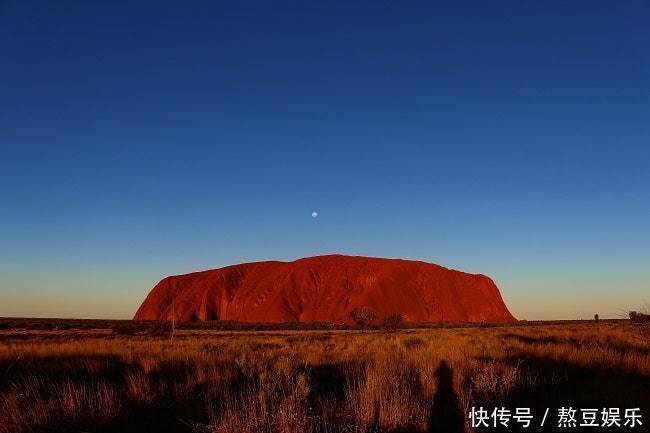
[(100, 376)]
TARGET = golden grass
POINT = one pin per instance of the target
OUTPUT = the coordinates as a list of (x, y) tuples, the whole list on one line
[(308, 381)]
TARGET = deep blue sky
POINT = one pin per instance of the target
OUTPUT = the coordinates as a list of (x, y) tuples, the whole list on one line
[(510, 138)]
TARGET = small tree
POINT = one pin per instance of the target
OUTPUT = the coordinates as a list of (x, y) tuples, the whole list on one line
[(596, 317), (392, 321), (363, 316)]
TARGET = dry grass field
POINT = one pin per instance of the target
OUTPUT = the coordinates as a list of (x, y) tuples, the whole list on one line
[(87, 379)]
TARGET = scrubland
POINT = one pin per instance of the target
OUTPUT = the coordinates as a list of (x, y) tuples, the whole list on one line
[(410, 380)]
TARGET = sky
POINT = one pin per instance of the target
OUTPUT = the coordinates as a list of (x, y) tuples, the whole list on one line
[(145, 139)]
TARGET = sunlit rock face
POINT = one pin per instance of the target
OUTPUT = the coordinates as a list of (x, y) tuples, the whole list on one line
[(325, 289)]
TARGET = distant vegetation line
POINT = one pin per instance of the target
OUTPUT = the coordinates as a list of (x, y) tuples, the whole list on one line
[(141, 326)]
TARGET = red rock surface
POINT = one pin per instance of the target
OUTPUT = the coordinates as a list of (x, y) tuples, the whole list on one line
[(325, 289)]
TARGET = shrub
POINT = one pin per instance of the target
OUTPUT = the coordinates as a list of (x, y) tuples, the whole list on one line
[(363, 316), (392, 322), (639, 317), (159, 329)]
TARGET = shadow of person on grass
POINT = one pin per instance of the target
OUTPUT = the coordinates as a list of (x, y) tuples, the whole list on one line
[(446, 415)]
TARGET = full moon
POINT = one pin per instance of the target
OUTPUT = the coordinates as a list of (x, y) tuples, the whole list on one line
[(314, 214)]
